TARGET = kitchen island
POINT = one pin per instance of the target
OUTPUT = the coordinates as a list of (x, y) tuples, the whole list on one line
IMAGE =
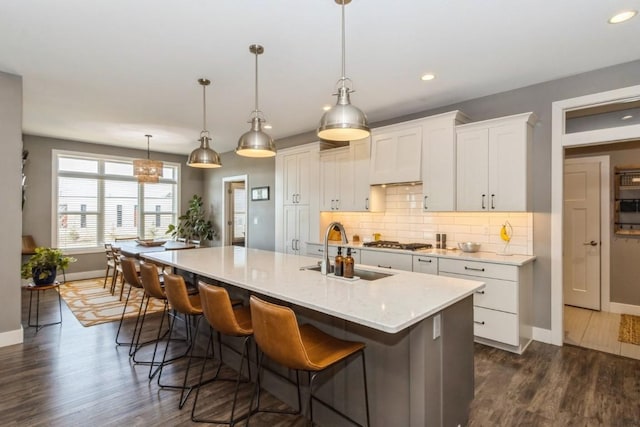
[(418, 329)]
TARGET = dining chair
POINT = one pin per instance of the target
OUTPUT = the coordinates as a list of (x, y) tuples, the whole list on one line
[(300, 348), (129, 277), (111, 264)]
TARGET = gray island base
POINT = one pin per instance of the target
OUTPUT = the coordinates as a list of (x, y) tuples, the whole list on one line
[(419, 363)]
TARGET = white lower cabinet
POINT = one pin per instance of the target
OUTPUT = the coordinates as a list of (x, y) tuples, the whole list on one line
[(502, 312), (382, 259), (317, 250), (425, 264)]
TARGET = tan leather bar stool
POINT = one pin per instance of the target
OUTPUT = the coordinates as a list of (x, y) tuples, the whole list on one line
[(190, 307), (230, 321), (303, 348), (129, 277)]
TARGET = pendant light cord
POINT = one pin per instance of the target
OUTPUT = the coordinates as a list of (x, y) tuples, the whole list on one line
[(148, 155), (204, 107), (256, 109), (343, 47)]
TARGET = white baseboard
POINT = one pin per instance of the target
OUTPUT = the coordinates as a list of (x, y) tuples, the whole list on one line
[(542, 335), (12, 337), (81, 275), (616, 307)]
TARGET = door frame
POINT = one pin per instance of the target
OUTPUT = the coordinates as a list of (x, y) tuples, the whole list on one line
[(560, 140), (605, 217), (225, 200)]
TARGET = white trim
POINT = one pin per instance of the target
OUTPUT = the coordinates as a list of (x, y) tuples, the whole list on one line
[(12, 337), (225, 181), (81, 275), (542, 335), (617, 307), (605, 224), (558, 141)]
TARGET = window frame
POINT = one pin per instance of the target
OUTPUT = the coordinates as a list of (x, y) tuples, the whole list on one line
[(101, 176)]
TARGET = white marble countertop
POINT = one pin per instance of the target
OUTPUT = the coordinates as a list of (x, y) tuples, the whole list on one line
[(492, 257), (390, 304)]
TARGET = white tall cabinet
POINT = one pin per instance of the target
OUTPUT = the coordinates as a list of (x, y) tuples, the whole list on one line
[(493, 164), (296, 197), (439, 161)]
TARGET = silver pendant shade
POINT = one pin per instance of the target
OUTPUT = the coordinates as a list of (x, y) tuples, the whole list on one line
[(256, 142), (204, 156), (343, 122), (147, 170)]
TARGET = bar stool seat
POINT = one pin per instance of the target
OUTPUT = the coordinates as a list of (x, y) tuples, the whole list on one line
[(303, 348)]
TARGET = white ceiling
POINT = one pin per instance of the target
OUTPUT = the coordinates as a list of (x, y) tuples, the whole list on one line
[(110, 71)]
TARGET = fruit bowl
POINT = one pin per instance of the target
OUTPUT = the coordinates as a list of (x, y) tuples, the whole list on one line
[(469, 246)]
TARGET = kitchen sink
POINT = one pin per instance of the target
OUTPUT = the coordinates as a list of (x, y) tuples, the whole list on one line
[(362, 274)]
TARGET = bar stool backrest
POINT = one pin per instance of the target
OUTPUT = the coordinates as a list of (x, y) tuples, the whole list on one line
[(176, 291), (129, 272), (217, 309), (276, 331), (151, 281)]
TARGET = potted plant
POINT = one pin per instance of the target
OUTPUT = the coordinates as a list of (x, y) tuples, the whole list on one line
[(42, 267), (193, 224)]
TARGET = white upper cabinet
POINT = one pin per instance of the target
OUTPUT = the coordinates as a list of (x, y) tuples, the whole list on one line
[(396, 154), (493, 164), (439, 161), (344, 180), (296, 180)]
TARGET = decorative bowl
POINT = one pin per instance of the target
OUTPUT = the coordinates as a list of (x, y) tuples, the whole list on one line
[(469, 246)]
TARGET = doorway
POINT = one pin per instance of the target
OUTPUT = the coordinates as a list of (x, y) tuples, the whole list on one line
[(235, 211)]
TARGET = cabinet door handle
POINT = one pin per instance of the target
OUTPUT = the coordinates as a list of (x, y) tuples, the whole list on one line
[(424, 260), (478, 322), (337, 204), (384, 266), (473, 269), (293, 244), (298, 198), (366, 204), (493, 206), (591, 243), (297, 245), (480, 292), (425, 203), (483, 206), (321, 250), (332, 204)]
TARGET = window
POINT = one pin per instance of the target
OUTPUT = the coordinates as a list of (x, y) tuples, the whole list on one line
[(99, 199)]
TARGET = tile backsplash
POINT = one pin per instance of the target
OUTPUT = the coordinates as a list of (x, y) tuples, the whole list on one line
[(404, 221)]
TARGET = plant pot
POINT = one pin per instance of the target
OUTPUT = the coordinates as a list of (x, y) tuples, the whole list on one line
[(49, 279)]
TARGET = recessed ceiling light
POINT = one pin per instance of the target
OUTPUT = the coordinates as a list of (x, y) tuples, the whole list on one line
[(627, 117), (268, 126), (326, 107), (622, 16), (428, 76)]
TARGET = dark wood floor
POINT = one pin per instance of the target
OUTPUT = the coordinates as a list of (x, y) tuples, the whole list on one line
[(74, 376)]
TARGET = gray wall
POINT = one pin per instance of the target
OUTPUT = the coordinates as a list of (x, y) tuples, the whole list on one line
[(537, 98), (625, 251), (36, 216), (10, 214), (260, 173)]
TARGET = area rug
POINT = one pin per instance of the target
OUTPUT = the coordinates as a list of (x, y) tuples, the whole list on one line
[(93, 305), (629, 331)]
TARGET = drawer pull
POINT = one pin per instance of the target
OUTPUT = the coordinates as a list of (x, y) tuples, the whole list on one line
[(473, 269), (480, 292), (384, 266), (321, 250), (424, 260), (478, 323)]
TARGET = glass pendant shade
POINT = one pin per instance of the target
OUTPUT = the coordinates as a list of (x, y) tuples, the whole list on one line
[(256, 142), (204, 156), (147, 170), (343, 122)]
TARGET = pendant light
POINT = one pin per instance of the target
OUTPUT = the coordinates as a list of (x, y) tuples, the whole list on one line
[(255, 142), (343, 122), (203, 156), (147, 170)]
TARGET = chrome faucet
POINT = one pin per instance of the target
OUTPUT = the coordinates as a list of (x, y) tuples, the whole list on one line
[(325, 266)]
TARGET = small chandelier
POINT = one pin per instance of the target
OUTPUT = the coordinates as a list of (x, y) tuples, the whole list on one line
[(255, 142), (147, 170), (343, 122), (203, 156)]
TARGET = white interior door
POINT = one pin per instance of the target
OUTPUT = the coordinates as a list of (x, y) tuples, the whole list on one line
[(581, 258)]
